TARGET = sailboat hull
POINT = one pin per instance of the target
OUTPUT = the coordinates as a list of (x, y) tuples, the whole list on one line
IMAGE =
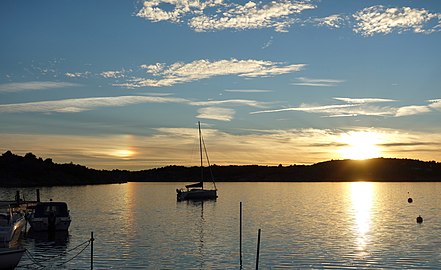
[(197, 194)]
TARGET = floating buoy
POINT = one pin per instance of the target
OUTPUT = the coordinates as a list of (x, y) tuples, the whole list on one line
[(410, 200), (419, 219)]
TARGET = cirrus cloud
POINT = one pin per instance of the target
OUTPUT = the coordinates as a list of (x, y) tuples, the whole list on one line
[(34, 85)]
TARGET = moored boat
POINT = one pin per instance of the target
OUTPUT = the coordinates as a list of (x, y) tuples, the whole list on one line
[(196, 191), (50, 216), (12, 223), (9, 258)]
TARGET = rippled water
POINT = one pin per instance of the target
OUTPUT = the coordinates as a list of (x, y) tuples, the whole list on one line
[(304, 226)]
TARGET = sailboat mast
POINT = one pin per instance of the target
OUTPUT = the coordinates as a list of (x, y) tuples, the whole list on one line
[(200, 152)]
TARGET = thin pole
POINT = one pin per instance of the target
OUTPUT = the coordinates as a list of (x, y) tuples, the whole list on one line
[(91, 250), (240, 234), (258, 250), (200, 151)]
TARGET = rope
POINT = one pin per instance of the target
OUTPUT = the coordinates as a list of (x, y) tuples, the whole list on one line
[(39, 261), (81, 251)]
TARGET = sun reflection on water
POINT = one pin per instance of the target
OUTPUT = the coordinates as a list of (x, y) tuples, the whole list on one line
[(362, 200)]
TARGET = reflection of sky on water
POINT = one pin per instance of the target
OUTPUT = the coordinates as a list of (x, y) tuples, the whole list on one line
[(361, 198)]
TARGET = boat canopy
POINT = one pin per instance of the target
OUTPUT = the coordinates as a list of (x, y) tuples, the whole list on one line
[(46, 208), (199, 184)]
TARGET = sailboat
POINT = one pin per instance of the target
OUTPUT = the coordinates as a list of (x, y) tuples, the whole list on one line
[(196, 191)]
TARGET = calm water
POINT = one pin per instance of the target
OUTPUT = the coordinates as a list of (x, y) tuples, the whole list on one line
[(304, 226)]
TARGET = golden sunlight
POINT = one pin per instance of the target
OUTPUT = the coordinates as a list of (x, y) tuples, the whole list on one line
[(123, 153), (360, 145), (362, 200)]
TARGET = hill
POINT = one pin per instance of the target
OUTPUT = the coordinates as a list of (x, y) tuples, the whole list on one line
[(29, 171), (377, 169)]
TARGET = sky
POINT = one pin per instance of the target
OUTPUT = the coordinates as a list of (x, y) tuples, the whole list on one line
[(122, 84)]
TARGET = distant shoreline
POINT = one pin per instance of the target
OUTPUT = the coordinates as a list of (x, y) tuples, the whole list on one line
[(30, 171)]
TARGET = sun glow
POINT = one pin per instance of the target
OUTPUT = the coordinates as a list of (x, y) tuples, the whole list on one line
[(360, 145), (123, 153)]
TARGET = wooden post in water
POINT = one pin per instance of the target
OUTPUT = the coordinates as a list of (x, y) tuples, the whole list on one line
[(258, 250), (17, 197), (91, 250), (240, 234), (38, 195)]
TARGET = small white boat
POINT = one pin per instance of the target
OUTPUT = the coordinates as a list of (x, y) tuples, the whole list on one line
[(196, 191), (50, 216), (12, 222), (9, 258)]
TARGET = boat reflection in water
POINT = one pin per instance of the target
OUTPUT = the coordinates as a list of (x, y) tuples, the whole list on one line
[(57, 238)]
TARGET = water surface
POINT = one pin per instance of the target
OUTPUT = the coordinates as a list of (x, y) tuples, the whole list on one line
[(356, 225)]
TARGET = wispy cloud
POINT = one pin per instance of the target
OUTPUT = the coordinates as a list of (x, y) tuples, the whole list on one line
[(382, 20), (247, 90), (360, 107), (202, 69), (85, 74), (245, 102), (332, 21), (113, 74), (34, 85), (317, 82), (216, 113), (364, 100), (411, 110), (84, 104)]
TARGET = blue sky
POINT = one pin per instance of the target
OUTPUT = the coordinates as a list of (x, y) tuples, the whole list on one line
[(122, 84)]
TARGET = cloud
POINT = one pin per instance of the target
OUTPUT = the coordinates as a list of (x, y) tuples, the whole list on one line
[(361, 107), (34, 85), (276, 14), (247, 90), (246, 102), (317, 82), (112, 74), (364, 100), (78, 74), (84, 104), (381, 20), (171, 146), (332, 21), (202, 69), (411, 110), (435, 104), (155, 11), (216, 113), (310, 108)]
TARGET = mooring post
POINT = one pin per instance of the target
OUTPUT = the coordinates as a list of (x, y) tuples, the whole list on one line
[(240, 234), (258, 250), (91, 250), (17, 196), (38, 195)]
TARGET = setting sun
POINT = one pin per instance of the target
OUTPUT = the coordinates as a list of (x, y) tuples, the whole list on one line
[(360, 145), (123, 153)]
